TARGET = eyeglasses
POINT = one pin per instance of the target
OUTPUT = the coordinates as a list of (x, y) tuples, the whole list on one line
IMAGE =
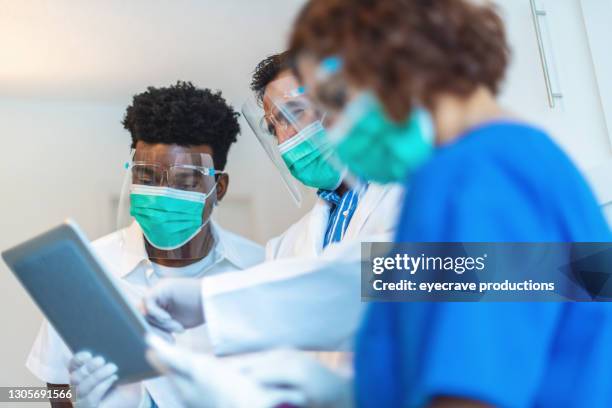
[(269, 124), (290, 114), (180, 177)]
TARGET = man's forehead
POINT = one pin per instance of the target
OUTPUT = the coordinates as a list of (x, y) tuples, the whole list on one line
[(282, 87)]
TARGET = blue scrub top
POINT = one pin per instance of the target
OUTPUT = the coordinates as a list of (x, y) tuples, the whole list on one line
[(503, 181)]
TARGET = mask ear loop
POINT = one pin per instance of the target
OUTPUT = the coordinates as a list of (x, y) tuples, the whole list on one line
[(214, 189), (214, 204)]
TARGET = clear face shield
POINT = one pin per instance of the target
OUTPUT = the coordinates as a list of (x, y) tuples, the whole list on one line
[(166, 203), (292, 132)]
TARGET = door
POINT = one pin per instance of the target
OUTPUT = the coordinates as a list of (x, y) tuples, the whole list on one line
[(552, 82)]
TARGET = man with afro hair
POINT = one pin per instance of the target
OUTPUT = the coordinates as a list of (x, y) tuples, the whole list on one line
[(180, 136)]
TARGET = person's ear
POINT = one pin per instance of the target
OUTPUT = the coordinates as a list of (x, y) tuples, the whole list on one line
[(222, 184)]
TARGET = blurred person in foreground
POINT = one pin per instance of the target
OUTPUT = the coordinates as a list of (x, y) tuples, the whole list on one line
[(437, 69)]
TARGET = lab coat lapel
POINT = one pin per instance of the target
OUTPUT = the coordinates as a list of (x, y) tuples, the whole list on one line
[(368, 202), (317, 227)]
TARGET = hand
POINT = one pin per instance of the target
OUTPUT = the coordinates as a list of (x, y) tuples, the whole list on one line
[(91, 378), (295, 370), (204, 381), (174, 305)]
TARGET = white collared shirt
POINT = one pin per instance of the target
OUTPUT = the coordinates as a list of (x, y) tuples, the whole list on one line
[(124, 255)]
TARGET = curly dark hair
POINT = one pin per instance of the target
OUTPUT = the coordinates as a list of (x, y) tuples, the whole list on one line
[(184, 115), (267, 71), (407, 50)]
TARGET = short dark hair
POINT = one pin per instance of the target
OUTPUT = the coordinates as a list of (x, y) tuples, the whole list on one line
[(184, 115), (267, 71)]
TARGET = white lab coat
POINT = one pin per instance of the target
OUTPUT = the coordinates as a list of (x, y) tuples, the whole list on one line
[(303, 296)]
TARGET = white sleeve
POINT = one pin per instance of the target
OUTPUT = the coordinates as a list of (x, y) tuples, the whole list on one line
[(49, 357), (311, 304)]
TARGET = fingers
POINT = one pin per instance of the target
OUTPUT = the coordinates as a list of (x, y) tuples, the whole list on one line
[(153, 309), (84, 370), (99, 391), (98, 373), (175, 304), (170, 326), (91, 378), (158, 316), (78, 360)]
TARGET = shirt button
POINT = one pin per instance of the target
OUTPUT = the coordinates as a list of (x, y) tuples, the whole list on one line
[(345, 213)]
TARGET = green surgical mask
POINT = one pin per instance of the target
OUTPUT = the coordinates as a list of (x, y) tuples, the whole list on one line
[(307, 157), (169, 218), (377, 149)]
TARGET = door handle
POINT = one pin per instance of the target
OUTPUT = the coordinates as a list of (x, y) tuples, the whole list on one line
[(536, 14)]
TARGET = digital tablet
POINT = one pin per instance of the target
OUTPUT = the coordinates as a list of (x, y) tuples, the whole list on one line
[(71, 287)]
